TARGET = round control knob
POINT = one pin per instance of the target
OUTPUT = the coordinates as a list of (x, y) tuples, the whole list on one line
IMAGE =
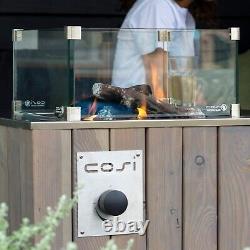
[(113, 202)]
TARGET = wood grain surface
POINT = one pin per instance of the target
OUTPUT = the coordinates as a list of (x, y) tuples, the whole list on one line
[(16, 174), (14, 182), (200, 188), (196, 187), (164, 189), (52, 176), (3, 165), (234, 188), (88, 140), (26, 174), (128, 139)]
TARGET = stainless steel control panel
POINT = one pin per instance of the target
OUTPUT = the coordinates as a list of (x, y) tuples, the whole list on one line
[(111, 197)]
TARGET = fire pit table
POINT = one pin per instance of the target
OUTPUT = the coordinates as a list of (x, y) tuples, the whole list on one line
[(141, 118)]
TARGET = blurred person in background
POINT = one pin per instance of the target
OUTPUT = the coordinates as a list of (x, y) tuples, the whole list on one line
[(138, 51)]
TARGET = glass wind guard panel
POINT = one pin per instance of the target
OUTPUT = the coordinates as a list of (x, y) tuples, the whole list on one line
[(149, 73), (202, 70), (125, 74), (41, 75), (112, 72)]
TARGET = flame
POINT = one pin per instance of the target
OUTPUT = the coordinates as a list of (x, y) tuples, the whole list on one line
[(156, 83), (92, 111), (90, 118), (142, 112)]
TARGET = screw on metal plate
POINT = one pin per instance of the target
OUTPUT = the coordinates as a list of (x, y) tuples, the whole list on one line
[(82, 233), (81, 157), (199, 160)]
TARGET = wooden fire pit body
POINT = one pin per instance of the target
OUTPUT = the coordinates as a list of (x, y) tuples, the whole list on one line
[(197, 177)]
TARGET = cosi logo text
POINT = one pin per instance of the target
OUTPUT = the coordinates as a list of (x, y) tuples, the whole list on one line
[(111, 166), (108, 167)]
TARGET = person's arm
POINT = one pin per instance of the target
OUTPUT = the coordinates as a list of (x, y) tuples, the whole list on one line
[(156, 68), (156, 15)]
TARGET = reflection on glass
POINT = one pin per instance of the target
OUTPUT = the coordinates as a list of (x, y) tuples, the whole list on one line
[(41, 73), (182, 80), (125, 74)]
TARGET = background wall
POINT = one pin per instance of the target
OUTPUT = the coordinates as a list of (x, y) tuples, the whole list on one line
[(95, 13)]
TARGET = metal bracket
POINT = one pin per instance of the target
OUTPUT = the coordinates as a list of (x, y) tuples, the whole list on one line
[(235, 34), (17, 105), (164, 36), (73, 114), (17, 35), (73, 32)]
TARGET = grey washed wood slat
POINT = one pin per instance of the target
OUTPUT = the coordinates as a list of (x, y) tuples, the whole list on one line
[(164, 188), (3, 165), (234, 187), (14, 180), (16, 157), (52, 176), (26, 174), (128, 139), (200, 188), (88, 140)]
